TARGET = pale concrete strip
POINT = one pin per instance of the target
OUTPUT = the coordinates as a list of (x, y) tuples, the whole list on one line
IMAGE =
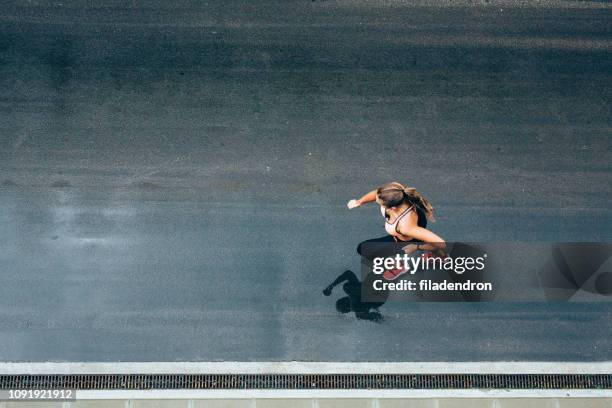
[(309, 368), (324, 394), (335, 403)]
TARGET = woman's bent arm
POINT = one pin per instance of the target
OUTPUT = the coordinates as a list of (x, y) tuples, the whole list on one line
[(432, 241), (369, 197)]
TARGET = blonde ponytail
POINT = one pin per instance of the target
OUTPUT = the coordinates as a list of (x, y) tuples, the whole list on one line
[(417, 198)]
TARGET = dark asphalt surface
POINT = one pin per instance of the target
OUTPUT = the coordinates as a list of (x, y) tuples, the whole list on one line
[(173, 179)]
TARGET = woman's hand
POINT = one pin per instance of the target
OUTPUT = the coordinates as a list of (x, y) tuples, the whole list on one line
[(410, 248), (353, 204)]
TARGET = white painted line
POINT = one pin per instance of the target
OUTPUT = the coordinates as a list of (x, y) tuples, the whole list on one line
[(309, 368), (321, 394)]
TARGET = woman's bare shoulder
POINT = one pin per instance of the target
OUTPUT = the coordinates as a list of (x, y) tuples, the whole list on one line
[(408, 222)]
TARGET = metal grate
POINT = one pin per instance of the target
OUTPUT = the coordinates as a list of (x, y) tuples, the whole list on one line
[(306, 381)]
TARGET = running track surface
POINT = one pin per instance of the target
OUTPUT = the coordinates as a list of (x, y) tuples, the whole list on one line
[(174, 177)]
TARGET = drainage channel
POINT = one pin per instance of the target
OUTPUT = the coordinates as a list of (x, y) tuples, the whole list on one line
[(305, 381)]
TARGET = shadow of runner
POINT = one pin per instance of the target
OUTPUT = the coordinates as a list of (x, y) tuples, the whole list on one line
[(353, 302)]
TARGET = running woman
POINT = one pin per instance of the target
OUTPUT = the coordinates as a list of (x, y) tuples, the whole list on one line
[(406, 213)]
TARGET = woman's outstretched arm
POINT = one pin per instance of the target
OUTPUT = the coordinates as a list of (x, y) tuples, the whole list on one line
[(367, 198)]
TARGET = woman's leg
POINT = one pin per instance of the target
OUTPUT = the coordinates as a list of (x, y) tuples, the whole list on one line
[(375, 247)]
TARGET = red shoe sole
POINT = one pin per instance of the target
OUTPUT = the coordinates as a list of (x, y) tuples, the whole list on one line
[(392, 274)]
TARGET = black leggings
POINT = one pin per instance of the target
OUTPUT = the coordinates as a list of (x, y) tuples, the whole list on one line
[(381, 247)]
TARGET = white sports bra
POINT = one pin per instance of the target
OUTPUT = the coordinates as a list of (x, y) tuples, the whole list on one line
[(391, 228)]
